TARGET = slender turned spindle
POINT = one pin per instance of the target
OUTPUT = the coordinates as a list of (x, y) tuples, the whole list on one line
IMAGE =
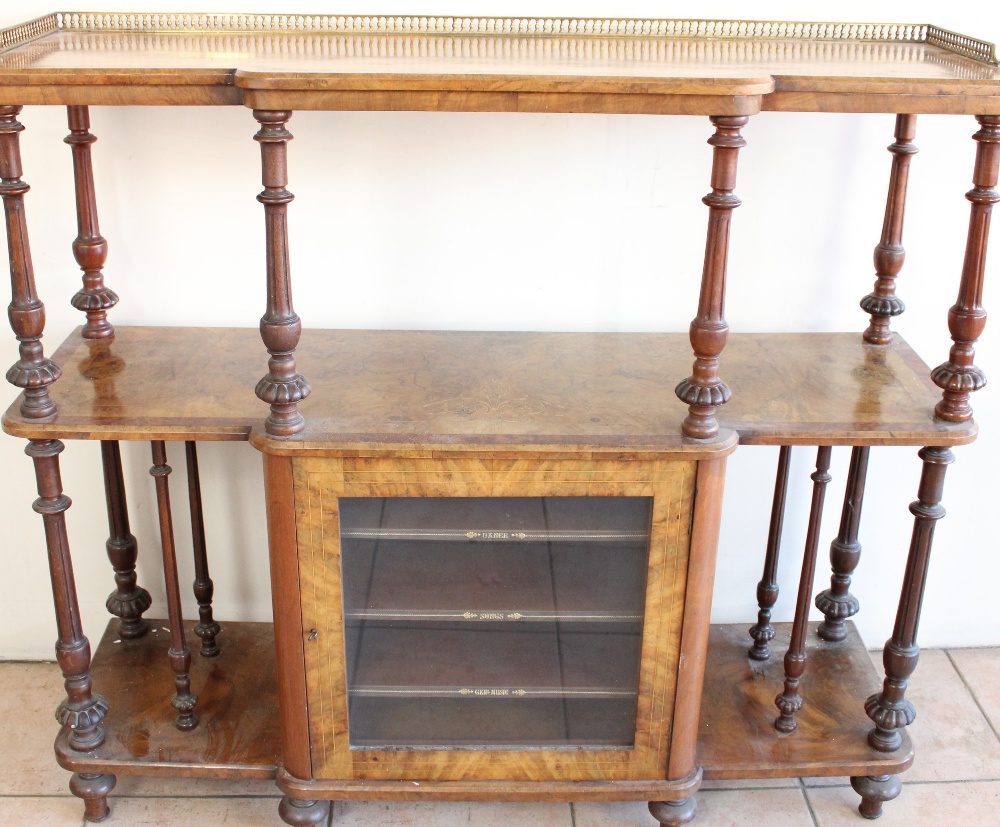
[(90, 248), (837, 603), (82, 710), (283, 388), (959, 377), (704, 390), (207, 628), (790, 701), (184, 699), (767, 588), (889, 709), (33, 372), (128, 601), (882, 303)]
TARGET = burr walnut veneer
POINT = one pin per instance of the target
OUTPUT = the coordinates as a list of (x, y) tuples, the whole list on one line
[(492, 553)]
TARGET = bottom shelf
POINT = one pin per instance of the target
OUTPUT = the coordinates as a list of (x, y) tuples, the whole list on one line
[(737, 737), (238, 735)]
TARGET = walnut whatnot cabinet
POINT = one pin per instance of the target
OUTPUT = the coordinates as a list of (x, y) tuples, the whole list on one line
[(492, 554)]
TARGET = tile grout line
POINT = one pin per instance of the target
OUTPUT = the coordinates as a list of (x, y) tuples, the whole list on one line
[(972, 693), (805, 797)]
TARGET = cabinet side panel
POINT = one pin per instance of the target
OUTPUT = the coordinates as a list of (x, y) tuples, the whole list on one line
[(318, 486), (667, 579), (697, 610), (279, 494)]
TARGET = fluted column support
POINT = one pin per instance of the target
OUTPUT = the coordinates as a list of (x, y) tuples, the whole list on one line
[(704, 391), (959, 377), (90, 248), (33, 372), (283, 387), (890, 709), (883, 303), (83, 710)]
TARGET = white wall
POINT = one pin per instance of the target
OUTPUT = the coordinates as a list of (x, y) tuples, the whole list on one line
[(490, 221)]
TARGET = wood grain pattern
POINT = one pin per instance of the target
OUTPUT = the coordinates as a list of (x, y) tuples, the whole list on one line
[(604, 393), (737, 738), (522, 64), (238, 733), (706, 522), (349, 789), (289, 639), (318, 484)]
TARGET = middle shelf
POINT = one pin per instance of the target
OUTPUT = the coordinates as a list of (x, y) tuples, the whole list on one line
[(433, 390)]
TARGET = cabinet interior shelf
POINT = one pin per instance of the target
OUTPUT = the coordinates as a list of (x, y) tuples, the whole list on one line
[(493, 535), (492, 616), (455, 391)]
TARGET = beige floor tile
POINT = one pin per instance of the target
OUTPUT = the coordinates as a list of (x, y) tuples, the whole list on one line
[(831, 781), (972, 803), (719, 808), (981, 670), (449, 814), (42, 812), (34, 690), (184, 812), (952, 738)]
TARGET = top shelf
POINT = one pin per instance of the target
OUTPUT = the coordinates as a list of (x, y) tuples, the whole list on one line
[(403, 391), (495, 64)]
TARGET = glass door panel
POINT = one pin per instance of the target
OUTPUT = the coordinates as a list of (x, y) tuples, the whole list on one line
[(505, 622)]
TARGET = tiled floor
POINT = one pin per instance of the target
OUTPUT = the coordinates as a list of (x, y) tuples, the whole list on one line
[(954, 781)]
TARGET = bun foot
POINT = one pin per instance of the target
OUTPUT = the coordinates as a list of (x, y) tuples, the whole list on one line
[(674, 813), (301, 813), (93, 788), (874, 790)]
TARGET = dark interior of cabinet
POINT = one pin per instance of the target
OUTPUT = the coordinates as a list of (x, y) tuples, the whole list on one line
[(503, 622)]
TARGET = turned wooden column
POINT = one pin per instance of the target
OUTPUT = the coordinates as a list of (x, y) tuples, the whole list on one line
[(958, 378), (90, 248), (184, 699), (837, 603), (882, 303), (704, 390), (890, 709), (283, 388), (33, 372), (790, 700), (207, 628), (767, 589), (82, 710), (128, 601)]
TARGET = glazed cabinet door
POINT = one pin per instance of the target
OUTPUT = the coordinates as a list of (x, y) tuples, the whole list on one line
[(481, 619)]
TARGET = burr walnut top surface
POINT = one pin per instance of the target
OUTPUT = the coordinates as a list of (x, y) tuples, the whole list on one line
[(499, 64), (486, 391)]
